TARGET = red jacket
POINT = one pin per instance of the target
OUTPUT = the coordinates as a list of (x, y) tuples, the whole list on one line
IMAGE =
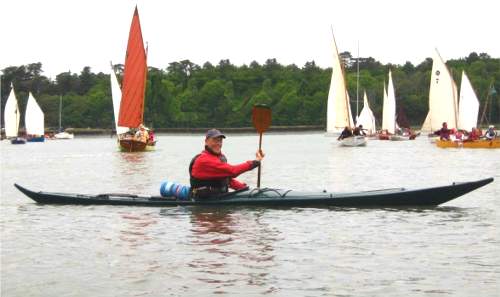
[(209, 166)]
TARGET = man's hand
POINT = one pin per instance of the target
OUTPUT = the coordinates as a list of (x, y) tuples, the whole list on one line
[(259, 155)]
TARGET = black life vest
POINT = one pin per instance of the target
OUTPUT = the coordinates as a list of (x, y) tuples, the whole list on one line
[(207, 187)]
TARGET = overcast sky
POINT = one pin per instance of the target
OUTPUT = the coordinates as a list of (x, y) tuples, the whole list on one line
[(70, 34)]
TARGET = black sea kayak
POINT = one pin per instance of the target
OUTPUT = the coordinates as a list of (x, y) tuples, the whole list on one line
[(397, 197)]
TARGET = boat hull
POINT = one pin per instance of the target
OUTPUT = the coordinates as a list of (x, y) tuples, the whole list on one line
[(353, 141), (132, 145), (64, 135), (36, 139), (398, 197), (483, 143), (18, 140), (402, 137)]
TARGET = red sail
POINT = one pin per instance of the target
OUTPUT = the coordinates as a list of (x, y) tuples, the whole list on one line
[(134, 78)]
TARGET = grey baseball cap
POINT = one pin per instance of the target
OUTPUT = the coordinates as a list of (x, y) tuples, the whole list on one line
[(214, 133)]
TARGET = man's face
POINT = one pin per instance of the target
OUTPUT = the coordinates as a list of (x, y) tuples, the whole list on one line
[(214, 144)]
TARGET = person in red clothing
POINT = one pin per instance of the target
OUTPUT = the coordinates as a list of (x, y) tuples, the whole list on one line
[(474, 135), (209, 172)]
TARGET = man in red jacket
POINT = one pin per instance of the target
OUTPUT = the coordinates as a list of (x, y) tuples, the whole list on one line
[(209, 172)]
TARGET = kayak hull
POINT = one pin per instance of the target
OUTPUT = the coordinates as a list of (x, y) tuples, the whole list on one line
[(398, 197)]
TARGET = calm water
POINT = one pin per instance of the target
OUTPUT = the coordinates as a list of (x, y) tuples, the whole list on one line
[(452, 250)]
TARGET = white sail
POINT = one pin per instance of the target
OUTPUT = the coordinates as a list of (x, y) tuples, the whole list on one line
[(338, 110), (116, 94), (389, 108), (347, 113), (443, 99), (426, 126), (34, 118), (468, 106), (366, 117), (11, 115)]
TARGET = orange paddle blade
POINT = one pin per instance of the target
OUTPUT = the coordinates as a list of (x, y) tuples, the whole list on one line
[(261, 117)]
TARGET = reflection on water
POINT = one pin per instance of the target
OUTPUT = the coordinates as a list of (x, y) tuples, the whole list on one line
[(133, 171), (236, 242), (135, 228)]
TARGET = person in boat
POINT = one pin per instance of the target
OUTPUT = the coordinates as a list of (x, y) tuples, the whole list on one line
[(490, 133), (209, 172), (459, 135), (444, 132), (142, 134), (359, 131), (151, 137), (347, 132), (475, 134)]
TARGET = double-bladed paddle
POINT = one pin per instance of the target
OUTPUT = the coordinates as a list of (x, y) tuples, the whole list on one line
[(261, 118)]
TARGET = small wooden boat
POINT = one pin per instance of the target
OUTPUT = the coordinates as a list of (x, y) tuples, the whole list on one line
[(398, 137), (36, 138), (353, 141), (267, 197), (131, 103), (384, 136), (34, 120), (130, 144), (482, 143), (64, 135), (338, 114), (18, 140)]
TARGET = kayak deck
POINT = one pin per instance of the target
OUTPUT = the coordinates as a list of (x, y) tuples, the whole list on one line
[(396, 197)]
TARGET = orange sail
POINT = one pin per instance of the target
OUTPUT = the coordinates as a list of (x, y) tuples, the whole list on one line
[(134, 78)]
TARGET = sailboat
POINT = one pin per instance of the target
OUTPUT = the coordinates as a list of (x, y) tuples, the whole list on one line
[(468, 113), (131, 113), (443, 99), (62, 134), (34, 121), (366, 117), (338, 107), (11, 119)]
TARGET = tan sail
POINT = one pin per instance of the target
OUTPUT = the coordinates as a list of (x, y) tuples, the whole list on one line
[(338, 107), (468, 111), (389, 108), (443, 98)]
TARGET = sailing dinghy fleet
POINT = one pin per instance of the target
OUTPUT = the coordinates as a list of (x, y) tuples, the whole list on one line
[(33, 119), (455, 122), (460, 113)]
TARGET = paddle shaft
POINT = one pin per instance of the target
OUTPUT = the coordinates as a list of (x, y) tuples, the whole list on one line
[(258, 169)]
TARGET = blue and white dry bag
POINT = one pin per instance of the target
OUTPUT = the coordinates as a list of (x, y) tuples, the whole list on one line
[(169, 189)]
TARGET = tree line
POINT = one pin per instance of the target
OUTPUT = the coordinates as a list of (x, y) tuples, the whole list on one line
[(189, 95)]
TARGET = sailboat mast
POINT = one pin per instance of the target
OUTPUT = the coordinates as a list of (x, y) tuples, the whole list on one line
[(60, 112), (483, 115), (357, 85), (1, 113)]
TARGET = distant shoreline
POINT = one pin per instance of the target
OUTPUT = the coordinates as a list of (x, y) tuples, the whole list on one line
[(97, 131), (239, 130)]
